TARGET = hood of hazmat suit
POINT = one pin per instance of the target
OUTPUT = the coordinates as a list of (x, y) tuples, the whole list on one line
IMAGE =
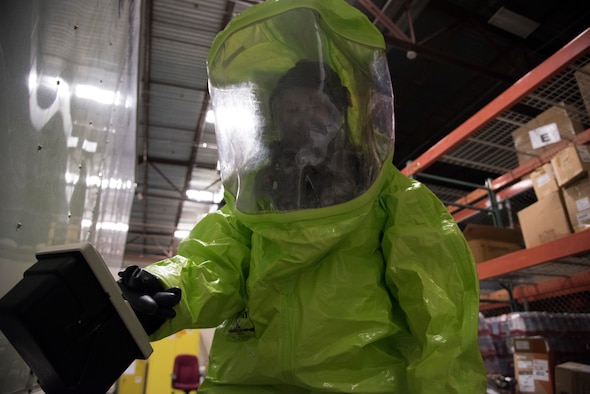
[(327, 270), (303, 106)]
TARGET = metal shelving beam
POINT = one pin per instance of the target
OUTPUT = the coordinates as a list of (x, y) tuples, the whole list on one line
[(492, 208), (556, 268), (548, 288), (479, 198), (527, 84), (501, 195), (571, 245)]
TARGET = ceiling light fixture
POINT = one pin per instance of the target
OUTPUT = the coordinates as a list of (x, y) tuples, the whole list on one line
[(210, 117)]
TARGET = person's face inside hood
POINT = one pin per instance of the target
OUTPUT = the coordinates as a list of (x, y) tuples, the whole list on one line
[(307, 122)]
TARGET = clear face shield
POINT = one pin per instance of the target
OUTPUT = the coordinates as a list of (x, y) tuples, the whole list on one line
[(304, 115)]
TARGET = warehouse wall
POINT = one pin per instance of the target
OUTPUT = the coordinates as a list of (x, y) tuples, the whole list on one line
[(68, 78)]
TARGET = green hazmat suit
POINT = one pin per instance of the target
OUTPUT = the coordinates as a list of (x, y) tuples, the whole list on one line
[(368, 287)]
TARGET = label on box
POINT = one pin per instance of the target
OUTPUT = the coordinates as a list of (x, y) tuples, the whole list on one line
[(541, 370), (583, 218), (582, 204), (584, 153), (543, 179), (526, 382), (544, 135), (522, 345), (524, 364)]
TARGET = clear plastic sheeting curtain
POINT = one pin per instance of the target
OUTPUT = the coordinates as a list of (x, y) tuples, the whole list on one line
[(68, 71)]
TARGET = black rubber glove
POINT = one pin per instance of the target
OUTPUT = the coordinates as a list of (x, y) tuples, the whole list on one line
[(150, 301)]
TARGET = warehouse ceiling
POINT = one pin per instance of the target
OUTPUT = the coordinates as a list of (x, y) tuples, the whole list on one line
[(448, 59)]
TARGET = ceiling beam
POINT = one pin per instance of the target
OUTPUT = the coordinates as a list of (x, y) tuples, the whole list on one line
[(147, 22), (177, 85), (193, 158), (173, 162), (380, 17), (166, 178), (176, 198)]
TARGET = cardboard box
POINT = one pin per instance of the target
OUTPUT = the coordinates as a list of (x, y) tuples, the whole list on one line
[(544, 220), (571, 163), (544, 182), (533, 365), (489, 242), (545, 130), (577, 203), (583, 79), (572, 378)]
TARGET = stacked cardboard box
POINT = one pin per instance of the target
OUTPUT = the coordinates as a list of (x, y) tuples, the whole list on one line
[(562, 188), (533, 365), (544, 182), (557, 338), (572, 378), (544, 131), (489, 242), (583, 79), (577, 202), (571, 163), (544, 221), (572, 166)]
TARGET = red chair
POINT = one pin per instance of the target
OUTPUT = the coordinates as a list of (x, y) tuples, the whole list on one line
[(186, 376)]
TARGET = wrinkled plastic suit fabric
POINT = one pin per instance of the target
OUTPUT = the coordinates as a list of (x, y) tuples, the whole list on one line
[(377, 295)]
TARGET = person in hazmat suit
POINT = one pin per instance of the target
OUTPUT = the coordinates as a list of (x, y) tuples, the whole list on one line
[(327, 270)]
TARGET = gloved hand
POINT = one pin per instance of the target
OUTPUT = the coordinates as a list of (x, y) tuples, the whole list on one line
[(150, 301)]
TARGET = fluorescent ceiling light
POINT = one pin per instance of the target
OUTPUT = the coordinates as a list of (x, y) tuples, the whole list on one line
[(181, 234), (512, 22), (205, 196), (210, 117)]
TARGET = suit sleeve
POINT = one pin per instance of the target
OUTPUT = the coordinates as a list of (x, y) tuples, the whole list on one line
[(211, 268), (431, 273)]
